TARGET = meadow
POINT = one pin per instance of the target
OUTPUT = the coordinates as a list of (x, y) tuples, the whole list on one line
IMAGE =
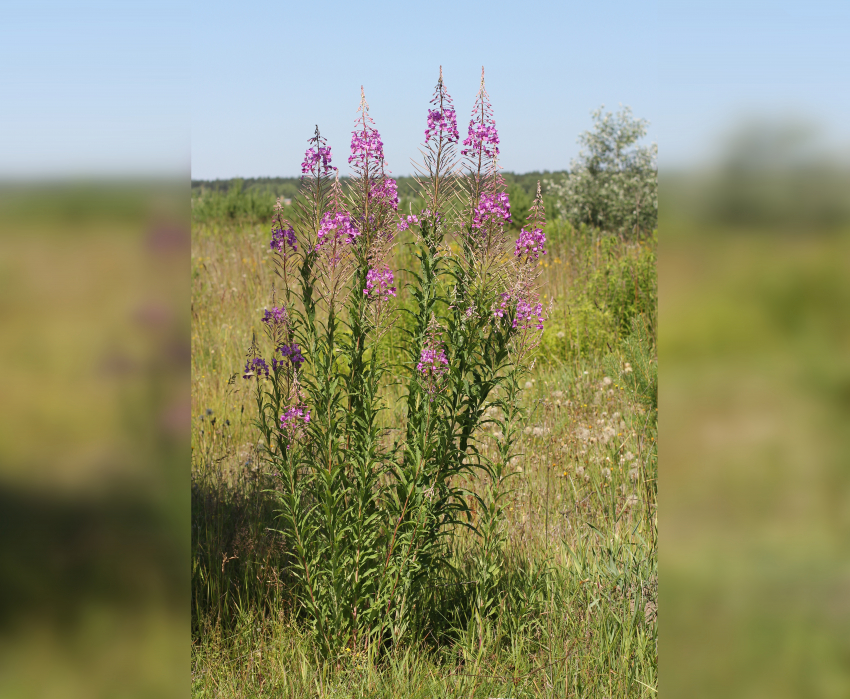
[(578, 594)]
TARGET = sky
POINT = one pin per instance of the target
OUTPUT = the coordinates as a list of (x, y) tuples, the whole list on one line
[(236, 89)]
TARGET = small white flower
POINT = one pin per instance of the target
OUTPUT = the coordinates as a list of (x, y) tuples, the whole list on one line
[(528, 385)]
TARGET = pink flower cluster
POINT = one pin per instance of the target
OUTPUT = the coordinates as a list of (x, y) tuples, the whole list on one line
[(528, 314), (385, 193), (492, 207), (442, 122), (482, 139), (379, 283), (367, 148), (404, 223), (313, 156), (290, 419), (530, 244), (336, 227), (432, 363), (281, 238)]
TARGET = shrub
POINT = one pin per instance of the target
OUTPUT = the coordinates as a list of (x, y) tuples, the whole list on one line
[(371, 516)]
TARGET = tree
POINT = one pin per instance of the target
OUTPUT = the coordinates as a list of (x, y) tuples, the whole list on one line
[(613, 184)]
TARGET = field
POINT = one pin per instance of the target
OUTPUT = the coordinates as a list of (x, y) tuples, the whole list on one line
[(579, 590)]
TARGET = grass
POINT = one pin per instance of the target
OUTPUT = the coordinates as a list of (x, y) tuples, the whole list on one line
[(578, 610)]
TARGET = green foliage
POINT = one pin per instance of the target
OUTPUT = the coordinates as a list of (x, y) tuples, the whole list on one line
[(605, 284), (235, 204), (639, 372), (614, 183)]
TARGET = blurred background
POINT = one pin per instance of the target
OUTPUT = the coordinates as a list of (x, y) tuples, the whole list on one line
[(94, 350), (748, 102), (754, 350)]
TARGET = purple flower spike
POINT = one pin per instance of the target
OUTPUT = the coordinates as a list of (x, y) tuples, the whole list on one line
[(492, 207), (432, 363), (530, 244), (318, 158), (442, 120), (528, 315), (385, 193), (282, 238), (367, 148), (292, 351), (482, 139), (255, 367), (336, 227), (378, 284), (275, 316)]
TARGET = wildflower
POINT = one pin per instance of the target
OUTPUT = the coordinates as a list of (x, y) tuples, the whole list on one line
[(336, 227), (634, 473), (528, 385), (561, 335), (433, 363), (440, 122), (482, 139), (627, 369), (606, 474), (291, 418), (404, 223), (275, 316), (526, 313), (530, 244), (495, 208), (281, 238), (314, 156), (367, 148), (606, 381), (293, 352), (255, 367), (384, 193), (442, 119), (378, 283)]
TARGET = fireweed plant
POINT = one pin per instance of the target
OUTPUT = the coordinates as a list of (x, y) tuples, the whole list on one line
[(371, 516)]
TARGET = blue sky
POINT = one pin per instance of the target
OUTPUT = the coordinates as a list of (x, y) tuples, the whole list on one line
[(236, 88)]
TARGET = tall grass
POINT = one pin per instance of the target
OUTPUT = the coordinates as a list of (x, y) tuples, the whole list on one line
[(576, 595)]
